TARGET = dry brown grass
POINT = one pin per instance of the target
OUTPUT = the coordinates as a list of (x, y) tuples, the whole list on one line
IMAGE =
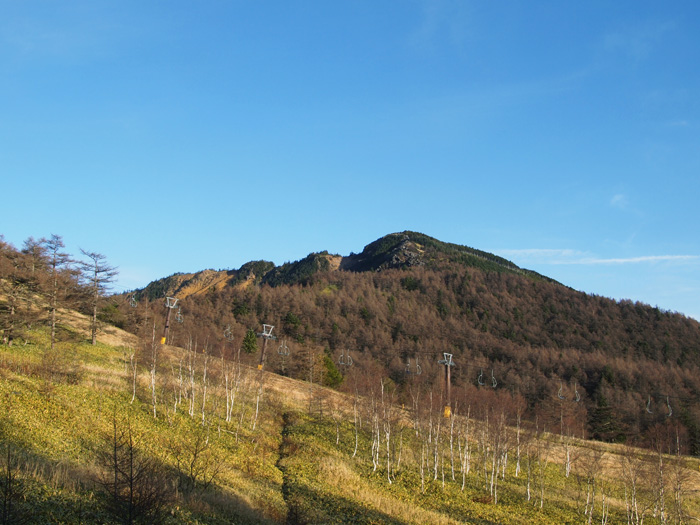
[(109, 335)]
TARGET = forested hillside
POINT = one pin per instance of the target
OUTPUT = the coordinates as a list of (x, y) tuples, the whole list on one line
[(396, 308), (131, 428), (407, 299)]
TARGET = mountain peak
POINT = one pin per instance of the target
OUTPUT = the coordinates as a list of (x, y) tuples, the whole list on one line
[(398, 250)]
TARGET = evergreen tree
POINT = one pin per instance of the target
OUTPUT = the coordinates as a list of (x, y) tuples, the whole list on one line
[(332, 376), (250, 342)]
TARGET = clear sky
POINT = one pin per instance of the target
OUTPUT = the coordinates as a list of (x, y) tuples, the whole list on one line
[(176, 136)]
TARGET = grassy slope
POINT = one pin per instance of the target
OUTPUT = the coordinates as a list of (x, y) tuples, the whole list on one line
[(288, 469), (324, 485), (56, 428)]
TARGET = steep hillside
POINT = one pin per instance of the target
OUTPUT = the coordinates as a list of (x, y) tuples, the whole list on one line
[(408, 298), (160, 434)]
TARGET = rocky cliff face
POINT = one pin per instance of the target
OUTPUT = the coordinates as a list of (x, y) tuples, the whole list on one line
[(396, 250)]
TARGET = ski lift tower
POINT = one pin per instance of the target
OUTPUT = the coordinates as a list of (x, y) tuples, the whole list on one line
[(170, 303), (447, 361), (265, 334)]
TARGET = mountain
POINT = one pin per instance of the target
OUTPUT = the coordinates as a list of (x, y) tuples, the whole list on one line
[(205, 428), (409, 298), (394, 251)]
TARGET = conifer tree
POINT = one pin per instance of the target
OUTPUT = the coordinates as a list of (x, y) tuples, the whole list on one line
[(58, 262), (97, 275), (250, 342)]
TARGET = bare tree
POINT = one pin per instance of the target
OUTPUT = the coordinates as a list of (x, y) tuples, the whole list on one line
[(463, 440), (636, 473), (12, 492), (388, 423), (520, 407), (205, 353), (35, 251), (538, 455), (590, 466), (136, 485), (154, 369), (134, 364), (19, 284), (198, 463), (499, 445), (58, 261), (682, 487), (98, 275)]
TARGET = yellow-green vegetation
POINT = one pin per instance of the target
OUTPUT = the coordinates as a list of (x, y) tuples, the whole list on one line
[(56, 418), (323, 484), (215, 445)]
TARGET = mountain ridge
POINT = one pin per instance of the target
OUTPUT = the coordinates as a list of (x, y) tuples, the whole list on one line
[(400, 250)]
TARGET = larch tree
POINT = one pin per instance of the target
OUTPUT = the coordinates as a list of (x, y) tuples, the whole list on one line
[(35, 252), (17, 288), (136, 485), (98, 275), (58, 261)]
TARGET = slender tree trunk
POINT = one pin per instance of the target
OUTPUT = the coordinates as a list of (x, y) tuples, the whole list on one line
[(133, 376), (154, 357), (192, 356), (204, 383), (54, 300), (354, 408), (452, 429), (517, 445), (93, 326)]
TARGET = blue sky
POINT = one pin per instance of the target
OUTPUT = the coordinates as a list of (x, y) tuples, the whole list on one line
[(178, 136)]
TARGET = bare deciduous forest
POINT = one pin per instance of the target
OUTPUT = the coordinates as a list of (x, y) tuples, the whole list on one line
[(526, 358), (625, 366)]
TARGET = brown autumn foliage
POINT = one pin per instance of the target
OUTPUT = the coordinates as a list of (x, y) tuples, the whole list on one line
[(611, 369), (628, 364)]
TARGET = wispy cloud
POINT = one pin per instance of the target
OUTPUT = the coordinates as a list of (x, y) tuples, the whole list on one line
[(635, 260), (540, 253), (619, 201), (568, 256)]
